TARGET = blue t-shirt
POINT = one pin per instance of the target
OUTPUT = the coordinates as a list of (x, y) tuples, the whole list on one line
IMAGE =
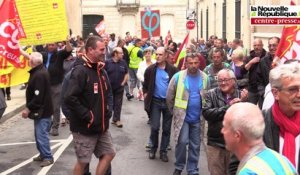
[(161, 83), (194, 106)]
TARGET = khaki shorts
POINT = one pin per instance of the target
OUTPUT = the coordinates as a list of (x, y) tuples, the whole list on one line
[(86, 145)]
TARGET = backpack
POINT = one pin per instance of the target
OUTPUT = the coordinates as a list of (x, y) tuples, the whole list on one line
[(64, 86)]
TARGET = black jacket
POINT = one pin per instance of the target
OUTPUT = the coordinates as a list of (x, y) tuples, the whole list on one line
[(149, 83), (87, 99), (38, 92), (271, 134), (213, 111), (252, 84), (263, 72), (56, 69)]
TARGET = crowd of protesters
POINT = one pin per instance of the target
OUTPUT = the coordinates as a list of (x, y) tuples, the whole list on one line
[(202, 83)]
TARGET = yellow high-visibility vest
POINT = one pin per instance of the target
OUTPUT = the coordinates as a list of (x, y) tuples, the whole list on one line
[(179, 102)]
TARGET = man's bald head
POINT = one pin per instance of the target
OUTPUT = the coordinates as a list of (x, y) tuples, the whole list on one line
[(248, 119), (258, 46)]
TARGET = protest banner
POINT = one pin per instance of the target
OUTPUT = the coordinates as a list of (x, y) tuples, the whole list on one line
[(150, 23), (43, 21), (12, 76)]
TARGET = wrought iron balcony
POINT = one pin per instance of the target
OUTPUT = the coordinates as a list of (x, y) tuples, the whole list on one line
[(128, 5)]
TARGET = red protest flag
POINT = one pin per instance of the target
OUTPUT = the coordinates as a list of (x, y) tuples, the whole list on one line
[(10, 32), (289, 45), (180, 50)]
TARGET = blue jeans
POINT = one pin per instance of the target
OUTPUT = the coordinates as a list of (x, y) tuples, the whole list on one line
[(41, 134), (189, 136), (158, 107)]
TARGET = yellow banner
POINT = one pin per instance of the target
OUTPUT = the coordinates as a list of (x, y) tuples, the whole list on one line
[(43, 21), (11, 76)]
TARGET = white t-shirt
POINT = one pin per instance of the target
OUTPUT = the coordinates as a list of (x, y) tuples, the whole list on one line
[(269, 98), (297, 141)]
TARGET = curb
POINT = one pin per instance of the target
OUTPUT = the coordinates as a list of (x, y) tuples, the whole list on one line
[(12, 113)]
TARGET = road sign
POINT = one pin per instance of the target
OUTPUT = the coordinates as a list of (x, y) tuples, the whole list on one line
[(190, 25)]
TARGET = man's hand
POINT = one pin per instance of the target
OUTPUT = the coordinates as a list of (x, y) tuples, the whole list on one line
[(25, 113), (244, 94), (255, 60)]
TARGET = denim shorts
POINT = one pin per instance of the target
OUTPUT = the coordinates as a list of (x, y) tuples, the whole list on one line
[(86, 145)]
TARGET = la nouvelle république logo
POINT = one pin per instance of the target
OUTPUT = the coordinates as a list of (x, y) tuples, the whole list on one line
[(274, 15)]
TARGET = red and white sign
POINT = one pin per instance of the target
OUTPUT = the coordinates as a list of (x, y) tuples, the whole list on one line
[(190, 25), (100, 28), (10, 32)]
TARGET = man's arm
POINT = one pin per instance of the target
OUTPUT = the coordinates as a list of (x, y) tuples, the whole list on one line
[(147, 79), (38, 84), (125, 79), (210, 111), (25, 54), (251, 63), (171, 92), (72, 96), (69, 47)]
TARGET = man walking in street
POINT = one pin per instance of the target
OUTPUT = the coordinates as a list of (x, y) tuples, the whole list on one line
[(243, 133), (87, 99), (184, 99), (217, 64), (117, 72), (217, 101), (53, 60), (135, 57), (39, 107), (157, 78)]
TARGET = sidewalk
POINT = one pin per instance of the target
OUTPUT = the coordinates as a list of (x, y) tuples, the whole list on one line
[(16, 104)]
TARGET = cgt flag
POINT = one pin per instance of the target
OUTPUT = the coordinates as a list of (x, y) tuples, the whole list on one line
[(11, 31), (289, 45)]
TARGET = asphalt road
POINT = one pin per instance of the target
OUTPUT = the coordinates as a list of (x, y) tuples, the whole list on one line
[(17, 148)]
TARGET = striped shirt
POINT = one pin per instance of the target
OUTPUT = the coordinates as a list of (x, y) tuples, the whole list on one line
[(267, 162)]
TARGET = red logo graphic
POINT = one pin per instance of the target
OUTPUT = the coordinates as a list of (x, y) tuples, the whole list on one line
[(55, 5)]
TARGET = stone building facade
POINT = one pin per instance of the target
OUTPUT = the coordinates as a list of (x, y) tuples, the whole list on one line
[(121, 16), (225, 18)]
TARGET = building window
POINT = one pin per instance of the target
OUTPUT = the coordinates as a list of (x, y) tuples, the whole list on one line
[(238, 19), (167, 24), (224, 20)]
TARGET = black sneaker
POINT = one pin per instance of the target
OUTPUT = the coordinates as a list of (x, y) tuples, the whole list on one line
[(164, 157), (151, 154), (129, 96), (177, 172)]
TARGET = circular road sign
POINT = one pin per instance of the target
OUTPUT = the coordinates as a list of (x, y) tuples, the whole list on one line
[(190, 25)]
